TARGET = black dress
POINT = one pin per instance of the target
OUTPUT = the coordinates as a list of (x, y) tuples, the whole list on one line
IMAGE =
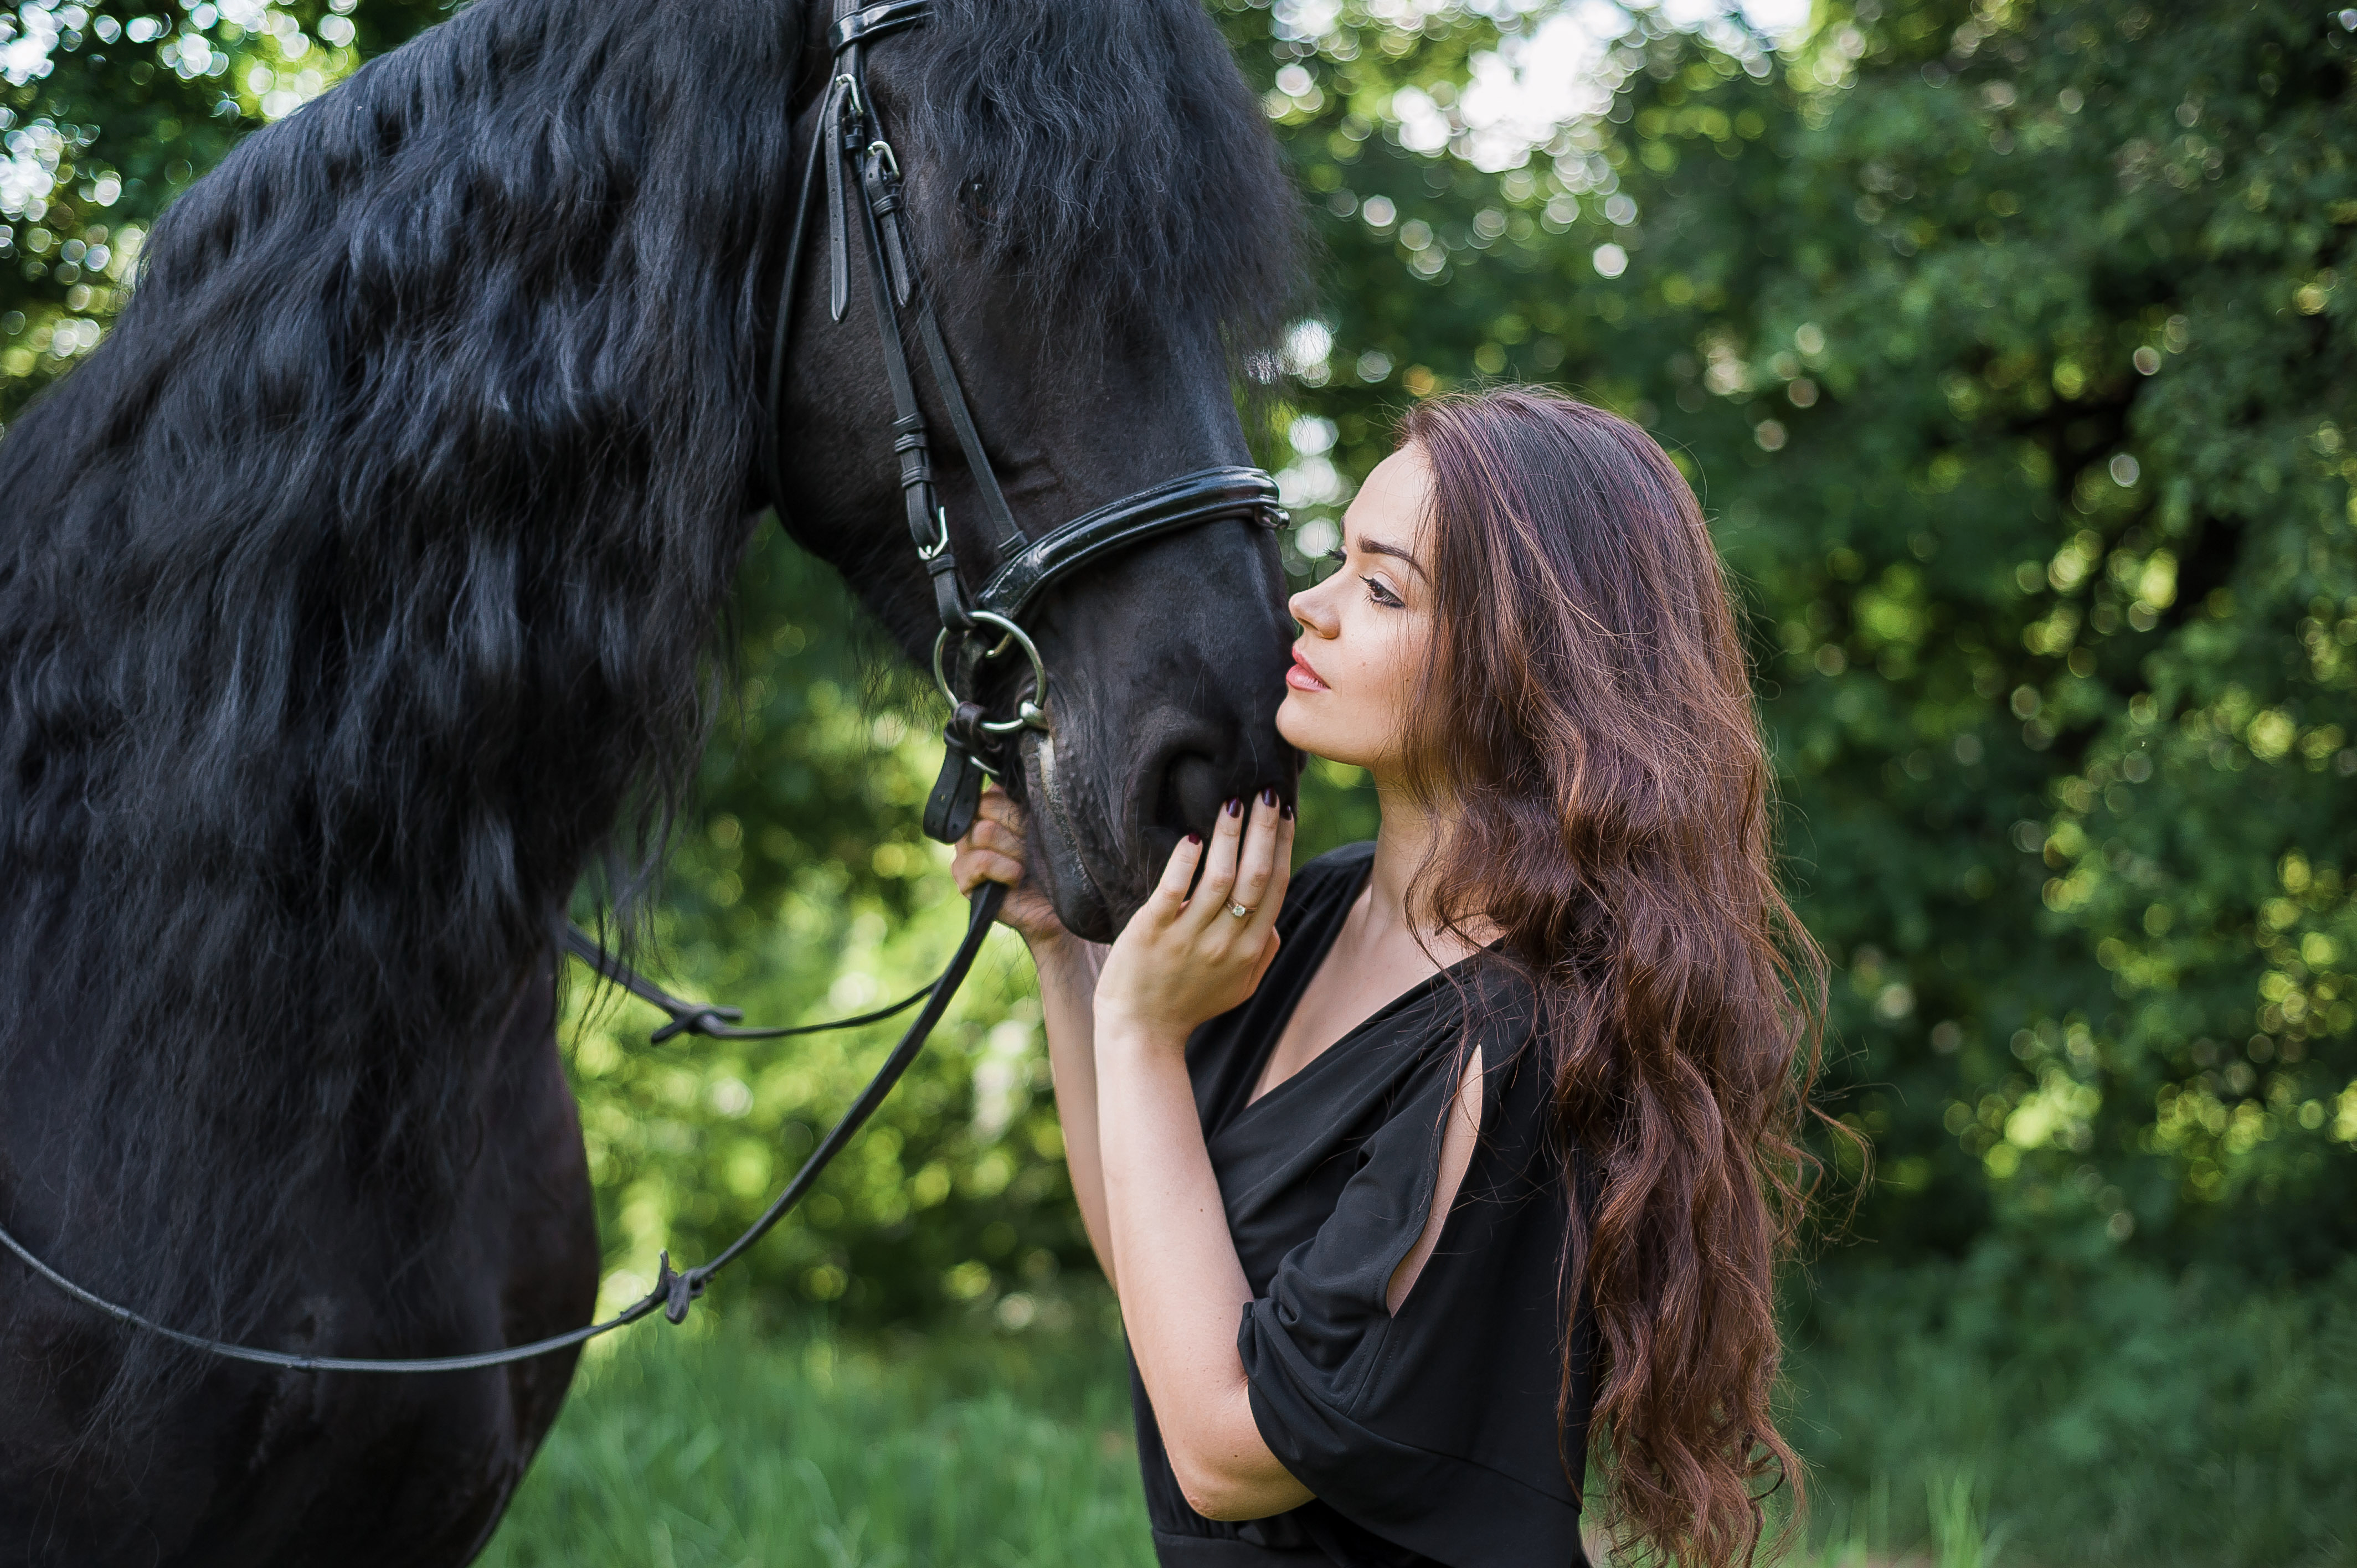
[(1430, 1437)]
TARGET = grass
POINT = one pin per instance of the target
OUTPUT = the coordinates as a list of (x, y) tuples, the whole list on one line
[(2068, 1416), (680, 1450), (728, 1451), (2131, 1424)]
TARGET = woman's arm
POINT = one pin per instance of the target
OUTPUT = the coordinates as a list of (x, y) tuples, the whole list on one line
[(1179, 961), (992, 851), (1182, 1290), (1068, 981), (1187, 1289)]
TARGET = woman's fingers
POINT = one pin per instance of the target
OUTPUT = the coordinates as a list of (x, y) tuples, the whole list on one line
[(1177, 873), (997, 806), (1281, 876), (993, 849), (1256, 864), (1218, 878), (974, 867), (997, 837)]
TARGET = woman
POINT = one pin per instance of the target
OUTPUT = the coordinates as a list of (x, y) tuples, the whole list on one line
[(1422, 1168)]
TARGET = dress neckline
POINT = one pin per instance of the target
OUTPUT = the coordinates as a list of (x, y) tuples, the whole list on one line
[(1318, 962)]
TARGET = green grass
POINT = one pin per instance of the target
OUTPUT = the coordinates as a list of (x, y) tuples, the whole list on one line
[(680, 1450), (1949, 1422), (2083, 1416)]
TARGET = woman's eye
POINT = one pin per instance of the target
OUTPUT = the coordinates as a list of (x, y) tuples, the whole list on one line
[(1381, 594)]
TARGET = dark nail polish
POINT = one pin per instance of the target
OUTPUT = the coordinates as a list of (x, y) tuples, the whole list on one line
[(1268, 796), (1287, 813), (1236, 807), (1195, 838)]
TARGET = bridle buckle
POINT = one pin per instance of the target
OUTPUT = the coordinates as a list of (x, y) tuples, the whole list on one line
[(930, 552)]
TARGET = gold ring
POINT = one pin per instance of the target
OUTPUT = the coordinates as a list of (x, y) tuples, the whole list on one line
[(1239, 911)]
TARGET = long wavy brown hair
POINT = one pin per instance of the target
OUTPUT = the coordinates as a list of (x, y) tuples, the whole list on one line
[(1587, 722)]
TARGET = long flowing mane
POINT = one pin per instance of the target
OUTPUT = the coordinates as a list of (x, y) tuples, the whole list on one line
[(361, 587), (1114, 160)]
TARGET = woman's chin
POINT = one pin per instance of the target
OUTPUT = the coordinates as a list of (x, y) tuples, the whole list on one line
[(1309, 712), (1303, 733), (1294, 725)]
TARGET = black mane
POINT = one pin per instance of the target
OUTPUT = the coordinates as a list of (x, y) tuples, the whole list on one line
[(1117, 160), (361, 587)]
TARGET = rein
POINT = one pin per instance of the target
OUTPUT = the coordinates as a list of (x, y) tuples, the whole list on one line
[(863, 186), (674, 1291)]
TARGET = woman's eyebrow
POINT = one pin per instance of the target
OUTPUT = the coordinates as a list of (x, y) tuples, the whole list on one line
[(1377, 547)]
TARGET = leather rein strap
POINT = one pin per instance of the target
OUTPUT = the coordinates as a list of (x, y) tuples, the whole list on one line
[(851, 153), (674, 1291)]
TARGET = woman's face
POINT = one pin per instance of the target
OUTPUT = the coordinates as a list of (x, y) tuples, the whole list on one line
[(1364, 628)]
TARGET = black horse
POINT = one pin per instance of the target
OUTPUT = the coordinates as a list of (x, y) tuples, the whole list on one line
[(359, 593)]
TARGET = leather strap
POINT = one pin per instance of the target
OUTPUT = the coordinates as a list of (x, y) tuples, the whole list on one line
[(1210, 495), (1011, 536), (840, 95), (875, 22), (709, 1019), (673, 1290), (781, 330)]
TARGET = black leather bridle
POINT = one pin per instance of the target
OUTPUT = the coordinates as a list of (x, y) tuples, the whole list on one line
[(863, 184)]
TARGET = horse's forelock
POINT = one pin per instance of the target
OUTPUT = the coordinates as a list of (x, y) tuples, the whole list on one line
[(1122, 167)]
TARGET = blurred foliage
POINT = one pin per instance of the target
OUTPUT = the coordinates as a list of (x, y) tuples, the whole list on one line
[(108, 111), (2007, 344)]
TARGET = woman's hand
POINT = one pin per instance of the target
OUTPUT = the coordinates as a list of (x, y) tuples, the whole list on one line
[(992, 851), (1183, 959)]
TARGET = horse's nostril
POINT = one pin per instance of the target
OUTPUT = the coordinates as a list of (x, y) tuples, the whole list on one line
[(1193, 789)]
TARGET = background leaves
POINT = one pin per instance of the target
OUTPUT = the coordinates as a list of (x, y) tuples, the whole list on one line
[(2008, 345)]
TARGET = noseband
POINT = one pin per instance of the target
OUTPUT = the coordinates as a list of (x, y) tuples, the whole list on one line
[(986, 624), (975, 630)]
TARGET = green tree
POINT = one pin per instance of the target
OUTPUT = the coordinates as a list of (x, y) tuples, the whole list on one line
[(108, 111), (2005, 345)]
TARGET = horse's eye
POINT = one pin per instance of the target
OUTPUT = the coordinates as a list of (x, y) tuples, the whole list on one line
[(973, 196)]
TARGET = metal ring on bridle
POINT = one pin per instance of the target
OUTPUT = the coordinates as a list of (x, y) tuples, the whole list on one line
[(1027, 713)]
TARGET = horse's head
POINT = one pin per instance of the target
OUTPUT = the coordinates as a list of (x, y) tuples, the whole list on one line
[(1099, 220)]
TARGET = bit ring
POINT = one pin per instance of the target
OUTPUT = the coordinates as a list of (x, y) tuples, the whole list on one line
[(1027, 713)]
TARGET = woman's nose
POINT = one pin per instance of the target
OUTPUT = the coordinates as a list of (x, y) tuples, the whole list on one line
[(1308, 607)]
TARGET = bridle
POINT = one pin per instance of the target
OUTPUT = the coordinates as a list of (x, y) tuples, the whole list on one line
[(975, 628), (986, 623)]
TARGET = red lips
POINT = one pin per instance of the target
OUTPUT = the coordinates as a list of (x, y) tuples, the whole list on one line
[(1301, 677)]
